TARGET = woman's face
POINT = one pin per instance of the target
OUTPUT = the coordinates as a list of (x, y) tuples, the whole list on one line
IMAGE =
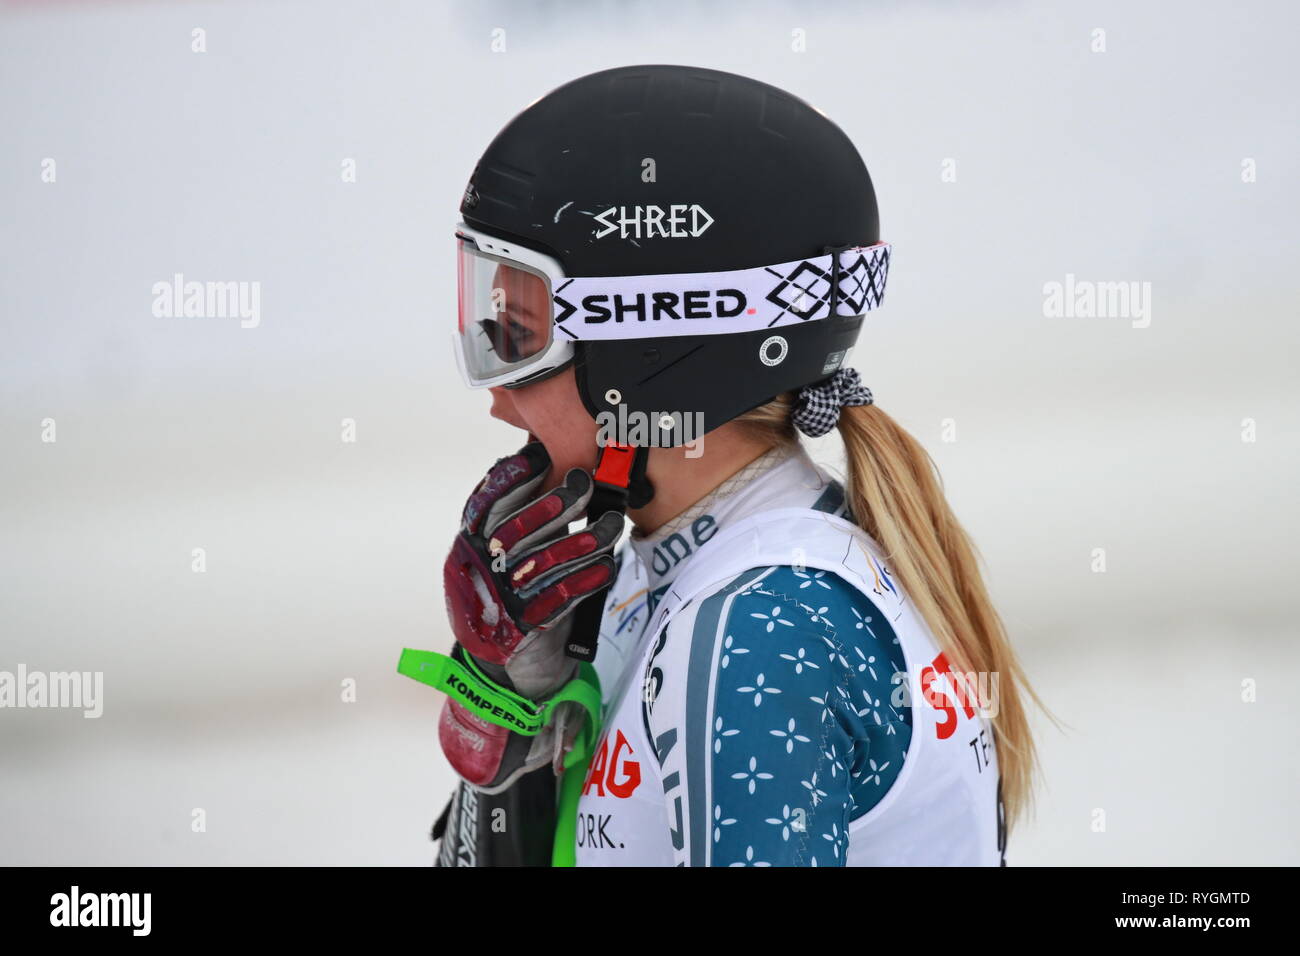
[(552, 411)]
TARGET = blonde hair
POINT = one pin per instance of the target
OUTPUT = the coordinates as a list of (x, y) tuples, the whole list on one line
[(895, 494)]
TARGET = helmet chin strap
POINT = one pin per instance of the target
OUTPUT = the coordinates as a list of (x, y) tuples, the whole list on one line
[(620, 484), (620, 475)]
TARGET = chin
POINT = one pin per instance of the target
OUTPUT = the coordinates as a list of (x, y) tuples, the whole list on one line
[(502, 410)]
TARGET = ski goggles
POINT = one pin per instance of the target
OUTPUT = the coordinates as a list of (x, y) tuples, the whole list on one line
[(520, 316)]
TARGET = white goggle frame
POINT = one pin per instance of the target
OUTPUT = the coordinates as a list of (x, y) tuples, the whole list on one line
[(557, 352)]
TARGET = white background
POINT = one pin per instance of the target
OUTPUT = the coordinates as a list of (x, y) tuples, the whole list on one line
[(323, 558)]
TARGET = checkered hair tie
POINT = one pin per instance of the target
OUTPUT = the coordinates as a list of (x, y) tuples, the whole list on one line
[(818, 407)]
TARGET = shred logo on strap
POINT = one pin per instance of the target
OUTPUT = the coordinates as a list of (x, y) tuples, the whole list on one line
[(655, 306)]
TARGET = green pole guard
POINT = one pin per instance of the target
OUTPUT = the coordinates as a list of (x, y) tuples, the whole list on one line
[(575, 773), (463, 681)]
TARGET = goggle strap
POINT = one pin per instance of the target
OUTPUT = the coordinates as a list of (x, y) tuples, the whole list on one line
[(843, 281), (833, 306)]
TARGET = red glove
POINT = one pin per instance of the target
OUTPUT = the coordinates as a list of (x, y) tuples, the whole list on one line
[(512, 580)]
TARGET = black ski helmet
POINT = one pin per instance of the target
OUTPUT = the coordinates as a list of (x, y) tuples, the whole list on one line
[(735, 174)]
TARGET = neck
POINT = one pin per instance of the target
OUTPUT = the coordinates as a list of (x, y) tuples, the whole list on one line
[(681, 480)]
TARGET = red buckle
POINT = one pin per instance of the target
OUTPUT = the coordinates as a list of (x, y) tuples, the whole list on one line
[(615, 465)]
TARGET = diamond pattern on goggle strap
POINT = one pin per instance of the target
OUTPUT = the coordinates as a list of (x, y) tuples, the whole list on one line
[(864, 275)]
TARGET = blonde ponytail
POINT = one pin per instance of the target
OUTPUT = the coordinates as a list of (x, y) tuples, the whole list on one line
[(895, 495)]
